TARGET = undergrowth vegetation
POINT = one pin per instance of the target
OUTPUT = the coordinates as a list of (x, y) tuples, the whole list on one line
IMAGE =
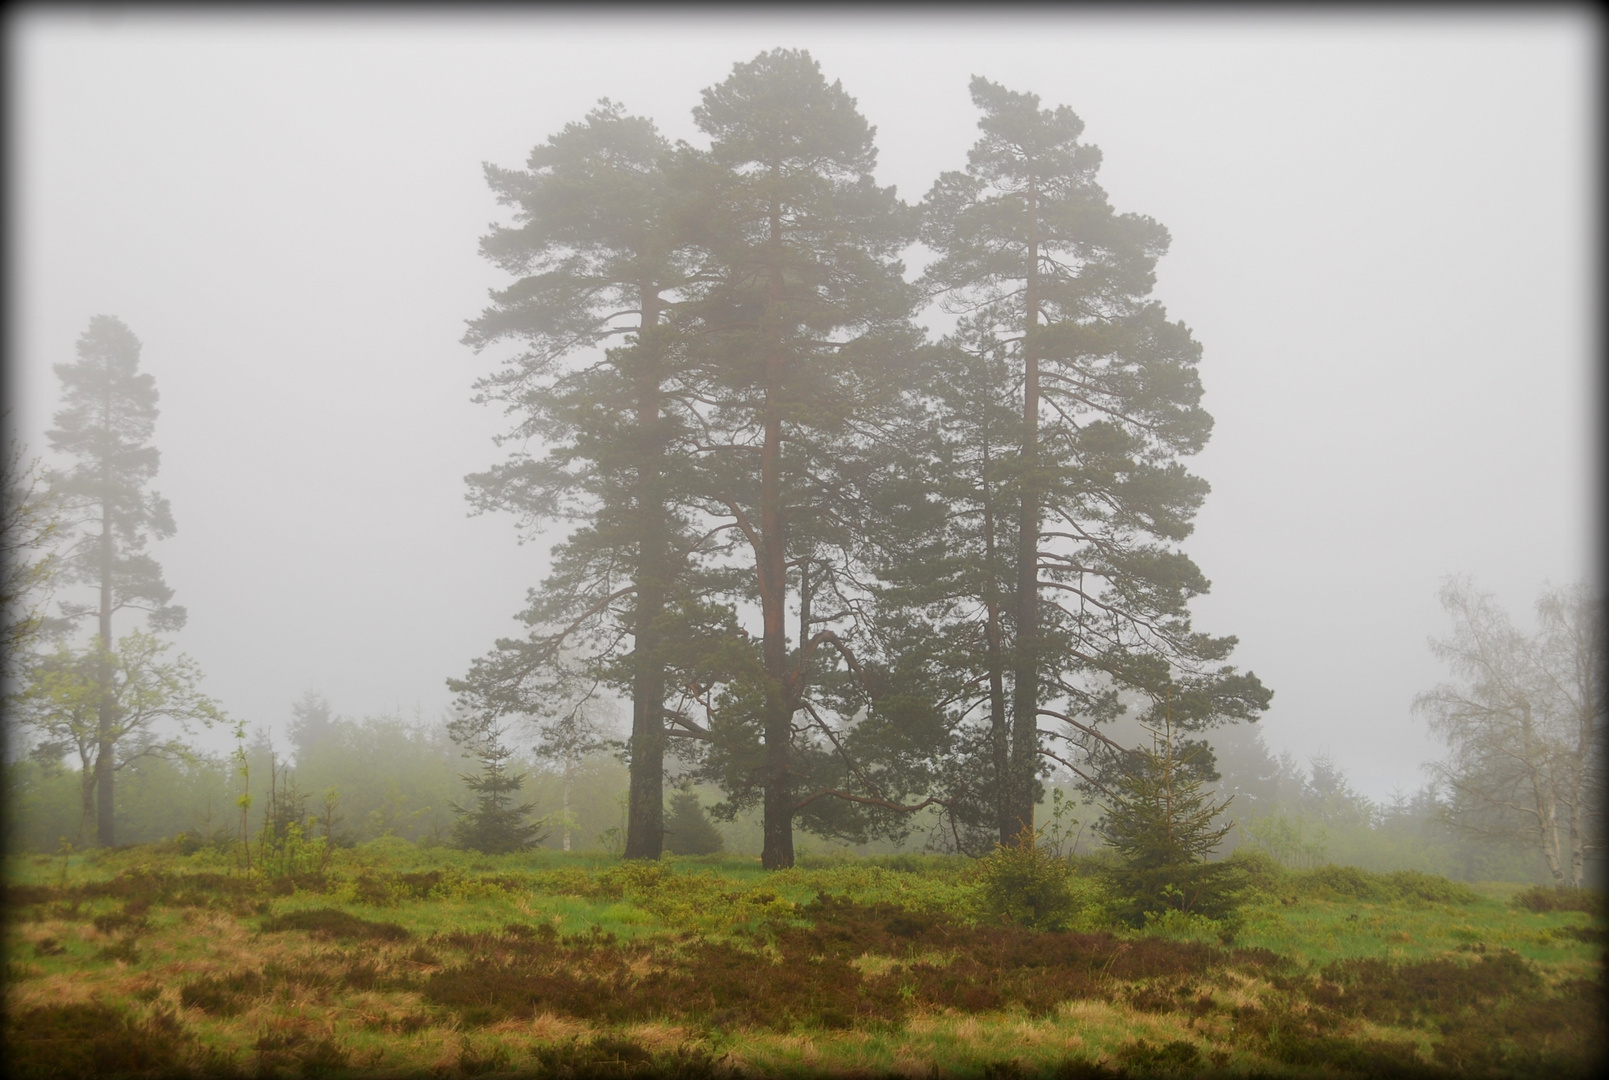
[(398, 962)]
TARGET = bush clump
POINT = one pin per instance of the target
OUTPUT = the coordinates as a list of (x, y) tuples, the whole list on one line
[(1418, 885), (1026, 884), (1354, 883), (1260, 871), (335, 923), (1542, 898), (88, 1039)]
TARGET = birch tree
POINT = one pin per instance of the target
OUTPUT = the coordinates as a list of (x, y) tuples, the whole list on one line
[(1524, 723)]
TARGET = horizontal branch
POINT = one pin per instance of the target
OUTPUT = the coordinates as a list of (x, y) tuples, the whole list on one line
[(868, 801)]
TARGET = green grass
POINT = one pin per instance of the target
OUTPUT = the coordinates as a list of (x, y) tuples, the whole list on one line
[(430, 962)]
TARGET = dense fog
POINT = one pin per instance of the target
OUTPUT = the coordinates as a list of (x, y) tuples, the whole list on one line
[(1381, 234)]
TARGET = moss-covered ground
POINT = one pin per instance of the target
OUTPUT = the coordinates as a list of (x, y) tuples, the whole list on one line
[(411, 962)]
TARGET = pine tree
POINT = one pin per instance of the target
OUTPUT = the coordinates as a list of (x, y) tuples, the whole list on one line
[(497, 824), (945, 567), (107, 417), (599, 257), (1029, 248), (805, 311), (311, 726)]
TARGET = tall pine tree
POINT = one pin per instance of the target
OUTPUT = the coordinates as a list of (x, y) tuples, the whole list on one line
[(105, 425), (806, 307), (943, 555), (1109, 403), (599, 257)]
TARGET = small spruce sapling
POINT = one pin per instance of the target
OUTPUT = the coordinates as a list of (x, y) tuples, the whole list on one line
[(1160, 822), (497, 825), (688, 829)]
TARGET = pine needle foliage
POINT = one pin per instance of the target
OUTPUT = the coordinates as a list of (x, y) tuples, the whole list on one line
[(688, 829), (1025, 883), (1160, 822), (497, 824)]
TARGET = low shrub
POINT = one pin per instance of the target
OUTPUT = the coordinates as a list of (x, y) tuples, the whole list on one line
[(1400, 993), (1025, 884), (88, 1039), (1263, 873), (335, 923), (1175, 1056), (1334, 882), (1188, 926), (1331, 881), (1417, 885), (1542, 898), (225, 995)]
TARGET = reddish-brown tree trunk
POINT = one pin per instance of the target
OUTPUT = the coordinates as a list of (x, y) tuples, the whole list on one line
[(1025, 688), (106, 711), (645, 811), (777, 852)]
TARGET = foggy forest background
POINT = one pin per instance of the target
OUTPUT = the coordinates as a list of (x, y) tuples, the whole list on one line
[(409, 777)]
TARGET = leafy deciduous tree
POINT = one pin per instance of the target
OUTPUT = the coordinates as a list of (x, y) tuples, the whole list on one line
[(95, 703), (31, 525), (1524, 727)]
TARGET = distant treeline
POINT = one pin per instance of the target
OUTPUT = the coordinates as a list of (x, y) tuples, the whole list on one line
[(397, 777)]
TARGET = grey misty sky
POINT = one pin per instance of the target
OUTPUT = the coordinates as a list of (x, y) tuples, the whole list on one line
[(1382, 233)]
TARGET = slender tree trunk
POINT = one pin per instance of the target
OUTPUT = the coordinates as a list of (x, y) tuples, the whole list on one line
[(106, 719), (564, 802), (999, 731), (1578, 860), (1025, 681), (777, 853), (1550, 843), (1544, 795), (645, 813), (86, 784)]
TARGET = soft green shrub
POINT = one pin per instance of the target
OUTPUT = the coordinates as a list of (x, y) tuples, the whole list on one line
[(1548, 898), (1188, 926), (1418, 885), (1263, 873), (1025, 884), (1340, 882), (1352, 883)]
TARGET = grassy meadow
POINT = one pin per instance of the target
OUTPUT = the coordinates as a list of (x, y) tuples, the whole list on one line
[(404, 961)]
